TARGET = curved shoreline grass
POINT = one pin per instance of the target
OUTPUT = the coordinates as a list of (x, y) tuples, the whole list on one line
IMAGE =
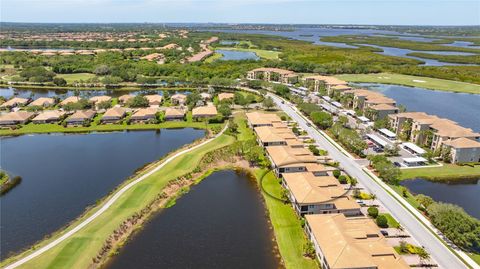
[(87, 241)]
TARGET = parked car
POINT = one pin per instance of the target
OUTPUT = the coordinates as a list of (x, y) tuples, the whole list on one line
[(309, 124), (397, 164), (385, 233)]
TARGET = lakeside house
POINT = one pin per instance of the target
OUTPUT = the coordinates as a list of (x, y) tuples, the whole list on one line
[(48, 116), (277, 136), (285, 159), (204, 112), (273, 74), (15, 102), (330, 83), (144, 115), (114, 115), (43, 102), (100, 99), (154, 99), (172, 113), (256, 119), (312, 194), (14, 118), (437, 134), (381, 111), (81, 117), (178, 99), (70, 99), (353, 243), (125, 98), (225, 96)]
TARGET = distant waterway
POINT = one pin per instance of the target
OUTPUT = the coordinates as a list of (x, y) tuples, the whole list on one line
[(463, 108), (63, 174), (463, 194), (220, 223)]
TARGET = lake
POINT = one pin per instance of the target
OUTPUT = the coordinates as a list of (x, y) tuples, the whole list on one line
[(459, 107), (220, 223), (37, 93), (236, 55), (465, 195), (62, 174)]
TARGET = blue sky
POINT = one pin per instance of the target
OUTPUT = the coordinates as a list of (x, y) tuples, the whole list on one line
[(407, 12)]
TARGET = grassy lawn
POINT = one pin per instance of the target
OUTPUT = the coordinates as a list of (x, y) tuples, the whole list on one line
[(245, 133), (392, 223), (55, 128), (414, 81), (287, 226), (266, 54), (77, 251), (446, 172), (475, 257), (70, 78), (410, 198)]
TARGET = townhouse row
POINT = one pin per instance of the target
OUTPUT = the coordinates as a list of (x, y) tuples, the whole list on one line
[(438, 134), (341, 235)]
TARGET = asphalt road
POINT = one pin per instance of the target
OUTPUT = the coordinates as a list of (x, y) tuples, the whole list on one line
[(439, 252)]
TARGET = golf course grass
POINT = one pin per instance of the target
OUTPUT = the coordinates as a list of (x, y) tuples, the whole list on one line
[(413, 81), (77, 251), (70, 78), (445, 172)]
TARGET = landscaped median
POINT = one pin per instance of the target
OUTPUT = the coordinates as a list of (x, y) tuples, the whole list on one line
[(78, 250)]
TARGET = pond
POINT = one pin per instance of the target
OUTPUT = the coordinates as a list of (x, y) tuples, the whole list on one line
[(63, 174), (220, 223), (236, 55), (459, 107), (463, 194), (37, 93)]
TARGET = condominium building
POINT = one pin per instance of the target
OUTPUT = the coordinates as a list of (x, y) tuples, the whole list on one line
[(273, 74)]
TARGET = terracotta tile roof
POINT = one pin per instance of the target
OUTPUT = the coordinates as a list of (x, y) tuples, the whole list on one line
[(352, 242), (49, 115), (16, 116), (15, 102), (225, 96), (154, 99), (384, 107), (125, 98), (174, 112), (43, 101), (205, 111), (256, 118), (327, 80), (82, 115), (275, 70), (462, 142), (101, 98), (144, 112), (71, 99), (115, 112), (286, 156)]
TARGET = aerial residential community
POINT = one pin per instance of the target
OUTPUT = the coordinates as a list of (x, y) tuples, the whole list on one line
[(261, 135)]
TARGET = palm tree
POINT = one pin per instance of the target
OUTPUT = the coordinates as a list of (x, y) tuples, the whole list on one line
[(373, 196)]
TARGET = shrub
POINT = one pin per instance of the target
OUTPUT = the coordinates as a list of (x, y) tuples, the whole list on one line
[(382, 221), (373, 212), (314, 150), (283, 118), (342, 179), (309, 250), (336, 173)]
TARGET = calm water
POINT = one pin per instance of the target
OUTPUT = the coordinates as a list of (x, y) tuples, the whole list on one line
[(391, 51), (36, 93), (314, 35), (461, 107), (220, 223), (237, 55), (63, 174), (462, 194)]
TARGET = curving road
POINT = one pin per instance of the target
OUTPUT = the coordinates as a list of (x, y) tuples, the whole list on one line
[(415, 225), (107, 205)]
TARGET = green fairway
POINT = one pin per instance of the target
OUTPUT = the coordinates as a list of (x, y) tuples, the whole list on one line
[(445, 172), (214, 57), (78, 250), (413, 81), (266, 54), (70, 78), (287, 226)]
